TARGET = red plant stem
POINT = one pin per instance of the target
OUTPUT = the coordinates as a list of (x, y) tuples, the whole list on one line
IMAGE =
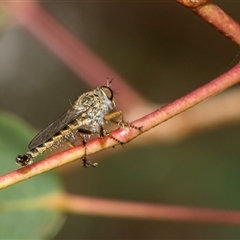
[(126, 134), (124, 209), (105, 207), (70, 50), (182, 104), (215, 16)]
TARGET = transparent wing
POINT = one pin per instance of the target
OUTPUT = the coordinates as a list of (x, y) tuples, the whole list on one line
[(55, 127)]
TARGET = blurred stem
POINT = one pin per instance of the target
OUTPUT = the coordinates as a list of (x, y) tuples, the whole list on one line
[(215, 16), (72, 51), (124, 209), (105, 207), (126, 134)]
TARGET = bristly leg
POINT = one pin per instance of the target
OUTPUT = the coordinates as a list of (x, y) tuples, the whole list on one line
[(120, 122), (126, 124), (86, 163), (118, 119)]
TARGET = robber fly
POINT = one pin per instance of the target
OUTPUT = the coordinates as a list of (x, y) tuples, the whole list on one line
[(87, 116)]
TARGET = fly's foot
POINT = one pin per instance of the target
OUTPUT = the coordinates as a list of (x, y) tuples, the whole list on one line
[(127, 124), (87, 163), (124, 124), (135, 127)]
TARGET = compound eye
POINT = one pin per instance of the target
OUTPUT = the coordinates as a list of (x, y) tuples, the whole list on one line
[(108, 91)]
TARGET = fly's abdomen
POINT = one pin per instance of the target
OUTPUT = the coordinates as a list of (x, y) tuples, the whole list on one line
[(55, 141), (25, 159)]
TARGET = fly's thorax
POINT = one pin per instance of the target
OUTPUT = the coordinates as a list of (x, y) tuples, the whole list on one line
[(96, 103)]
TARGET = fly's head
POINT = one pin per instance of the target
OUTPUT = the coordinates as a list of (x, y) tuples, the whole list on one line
[(106, 96)]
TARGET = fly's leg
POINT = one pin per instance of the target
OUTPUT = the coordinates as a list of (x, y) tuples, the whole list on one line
[(117, 118), (86, 163)]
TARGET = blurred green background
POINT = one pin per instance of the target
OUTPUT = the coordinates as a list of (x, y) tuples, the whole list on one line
[(164, 51)]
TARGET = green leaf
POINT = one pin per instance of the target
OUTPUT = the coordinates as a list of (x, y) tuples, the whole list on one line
[(18, 220)]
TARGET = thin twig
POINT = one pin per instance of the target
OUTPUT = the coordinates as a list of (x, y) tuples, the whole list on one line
[(124, 209), (127, 134), (116, 208), (73, 52), (215, 16), (222, 110)]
